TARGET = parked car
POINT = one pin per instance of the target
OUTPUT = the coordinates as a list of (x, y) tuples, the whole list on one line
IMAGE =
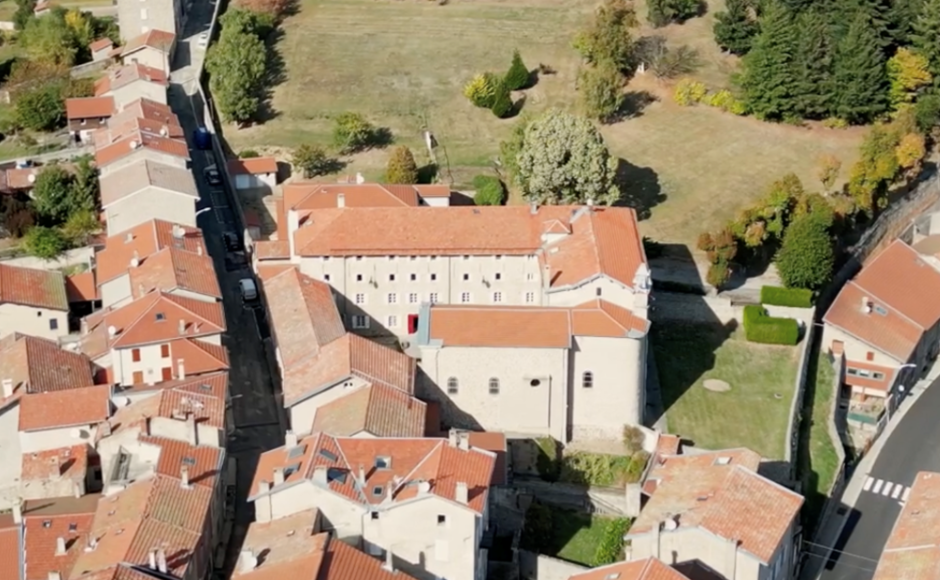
[(213, 177), (231, 242), (248, 289), (202, 139)]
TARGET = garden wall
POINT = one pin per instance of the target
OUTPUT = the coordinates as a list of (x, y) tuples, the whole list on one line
[(613, 501), (806, 316), (534, 566)]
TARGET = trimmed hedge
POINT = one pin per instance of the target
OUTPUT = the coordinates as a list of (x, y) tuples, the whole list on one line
[(778, 296), (610, 548), (758, 327), (489, 190)]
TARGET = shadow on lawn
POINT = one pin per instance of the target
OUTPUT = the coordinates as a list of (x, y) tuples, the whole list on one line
[(639, 187)]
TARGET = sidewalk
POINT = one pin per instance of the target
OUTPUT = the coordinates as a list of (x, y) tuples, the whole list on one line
[(829, 535)]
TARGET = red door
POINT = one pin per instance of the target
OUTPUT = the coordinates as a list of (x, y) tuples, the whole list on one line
[(412, 323)]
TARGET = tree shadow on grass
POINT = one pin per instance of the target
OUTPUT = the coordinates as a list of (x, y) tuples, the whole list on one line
[(639, 187), (275, 74), (427, 173), (634, 103)]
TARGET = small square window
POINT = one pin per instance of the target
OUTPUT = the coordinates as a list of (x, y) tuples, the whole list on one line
[(358, 277), (497, 296), (392, 298), (360, 322), (498, 276), (375, 515), (360, 298), (326, 277), (414, 277), (466, 277), (413, 298), (530, 276), (529, 297), (377, 490), (391, 277), (441, 519), (432, 297), (433, 277), (53, 324), (599, 291), (392, 321)]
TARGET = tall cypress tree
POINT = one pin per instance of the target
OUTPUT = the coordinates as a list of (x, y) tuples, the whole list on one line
[(903, 15), (813, 66), (926, 36), (860, 77), (735, 28), (768, 81)]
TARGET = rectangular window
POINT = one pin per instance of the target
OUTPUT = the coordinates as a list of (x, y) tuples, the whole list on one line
[(391, 277), (869, 355), (529, 297), (164, 351), (433, 277), (497, 296), (432, 297), (360, 321), (413, 298), (135, 355), (360, 298), (358, 277), (466, 277), (53, 324), (326, 277), (498, 276), (441, 519), (530, 276), (143, 14), (392, 298), (465, 297), (414, 277), (392, 321)]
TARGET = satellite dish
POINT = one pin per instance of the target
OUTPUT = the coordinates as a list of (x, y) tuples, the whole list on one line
[(424, 487), (75, 433), (31, 178), (112, 331), (671, 524)]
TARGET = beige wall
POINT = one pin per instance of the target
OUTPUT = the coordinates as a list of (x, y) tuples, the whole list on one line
[(151, 362), (151, 203), (32, 321), (136, 90), (856, 349), (116, 291), (303, 413), (10, 456), (519, 407), (610, 290), (144, 153), (336, 512), (46, 439), (161, 15), (618, 394), (149, 56)]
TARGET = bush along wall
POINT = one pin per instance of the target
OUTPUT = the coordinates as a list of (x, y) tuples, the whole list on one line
[(759, 327), (794, 297)]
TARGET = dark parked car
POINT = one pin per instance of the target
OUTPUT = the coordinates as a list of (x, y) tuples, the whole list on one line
[(231, 242), (213, 177)]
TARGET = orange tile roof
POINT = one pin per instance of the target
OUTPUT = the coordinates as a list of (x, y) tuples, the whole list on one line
[(61, 463), (272, 250), (137, 140), (722, 493), (122, 76), (40, 538), (496, 444), (204, 398), (252, 166), (305, 196), (81, 287), (89, 107), (154, 318), (380, 410), (434, 461), (204, 461), (144, 108), (912, 551), (891, 333), (33, 287), (120, 127), (530, 326), (100, 44), (59, 409), (38, 365), (10, 550), (156, 39), (142, 241), (119, 571), (882, 384), (175, 269), (199, 357), (303, 315), (647, 569)]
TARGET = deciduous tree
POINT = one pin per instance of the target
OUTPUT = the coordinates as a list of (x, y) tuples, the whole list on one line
[(662, 12), (237, 67), (351, 132), (510, 148), (52, 194), (45, 243), (488, 190), (79, 227), (608, 37), (16, 214), (311, 160), (736, 27), (564, 160), (40, 108), (806, 258), (401, 166), (827, 171), (601, 90), (49, 39), (908, 73)]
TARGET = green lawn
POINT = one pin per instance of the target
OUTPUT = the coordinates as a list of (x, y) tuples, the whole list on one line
[(753, 413), (818, 468), (577, 535)]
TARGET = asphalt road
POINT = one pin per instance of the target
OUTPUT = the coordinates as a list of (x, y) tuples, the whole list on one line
[(911, 448)]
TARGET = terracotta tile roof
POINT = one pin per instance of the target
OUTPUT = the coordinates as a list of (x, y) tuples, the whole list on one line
[(647, 569), (61, 463), (10, 550), (156, 39), (272, 250), (173, 269), (912, 551), (434, 461), (204, 462), (141, 241), (137, 140), (81, 287), (116, 572), (179, 544), (432, 190), (89, 107), (198, 356), (100, 44), (720, 492), (603, 241), (122, 76), (127, 181), (376, 409), (882, 384), (291, 547), (40, 539), (144, 108), (33, 287), (59, 409), (303, 315), (529, 326), (154, 318), (343, 562), (252, 166), (496, 444), (350, 355), (891, 333), (306, 196), (37, 365), (121, 127), (206, 409)]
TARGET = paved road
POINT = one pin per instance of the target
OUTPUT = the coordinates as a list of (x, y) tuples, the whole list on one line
[(909, 449)]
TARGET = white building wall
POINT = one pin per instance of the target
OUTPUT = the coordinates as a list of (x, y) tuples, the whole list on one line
[(303, 413), (148, 204), (32, 441), (856, 349), (32, 321), (337, 513), (116, 291), (601, 287), (144, 153), (10, 456), (685, 545), (151, 363), (616, 396), (149, 56), (136, 90)]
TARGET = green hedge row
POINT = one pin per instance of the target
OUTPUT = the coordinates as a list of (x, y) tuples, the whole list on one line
[(795, 297), (758, 327), (610, 548)]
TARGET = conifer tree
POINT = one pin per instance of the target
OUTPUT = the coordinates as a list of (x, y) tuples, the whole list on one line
[(768, 80), (861, 79), (517, 77), (813, 66), (926, 36), (735, 28)]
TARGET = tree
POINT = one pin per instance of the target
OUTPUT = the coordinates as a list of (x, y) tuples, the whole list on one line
[(81, 27), (510, 148), (720, 249), (876, 167), (86, 190), (806, 258), (502, 101), (401, 166), (52, 194), (240, 21), (517, 77), (351, 132), (911, 151), (237, 64), (768, 80), (79, 227), (311, 160), (40, 108), (662, 12), (49, 39), (488, 190), (564, 160), (601, 90), (481, 90), (608, 37), (927, 112), (813, 66), (248, 154), (860, 77), (827, 170), (25, 12), (907, 74), (926, 36), (735, 28), (673, 62), (275, 8), (45, 243), (16, 214)]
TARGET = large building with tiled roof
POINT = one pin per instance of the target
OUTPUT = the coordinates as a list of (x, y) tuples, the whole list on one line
[(33, 302), (571, 373), (912, 551), (148, 190), (885, 323), (715, 508), (138, 145), (648, 569), (153, 48), (86, 115), (425, 500), (133, 81)]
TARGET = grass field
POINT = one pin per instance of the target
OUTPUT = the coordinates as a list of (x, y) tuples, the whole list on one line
[(577, 535), (818, 467), (754, 413), (403, 64)]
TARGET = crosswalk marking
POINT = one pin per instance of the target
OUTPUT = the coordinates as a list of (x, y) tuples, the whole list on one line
[(897, 491), (887, 489), (907, 492), (868, 483), (878, 485)]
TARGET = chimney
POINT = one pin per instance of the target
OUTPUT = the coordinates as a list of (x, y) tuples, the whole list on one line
[(533, 208), (360, 179), (290, 439), (462, 494), (135, 260), (17, 511), (278, 476), (177, 231), (362, 476), (264, 486), (153, 559), (54, 575), (105, 428), (390, 491), (128, 238), (7, 388), (319, 475), (77, 489), (140, 290), (184, 476), (191, 428), (247, 561), (180, 368), (866, 305), (92, 544), (340, 200), (452, 437), (161, 560), (199, 249), (60, 546), (182, 326), (389, 561)]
